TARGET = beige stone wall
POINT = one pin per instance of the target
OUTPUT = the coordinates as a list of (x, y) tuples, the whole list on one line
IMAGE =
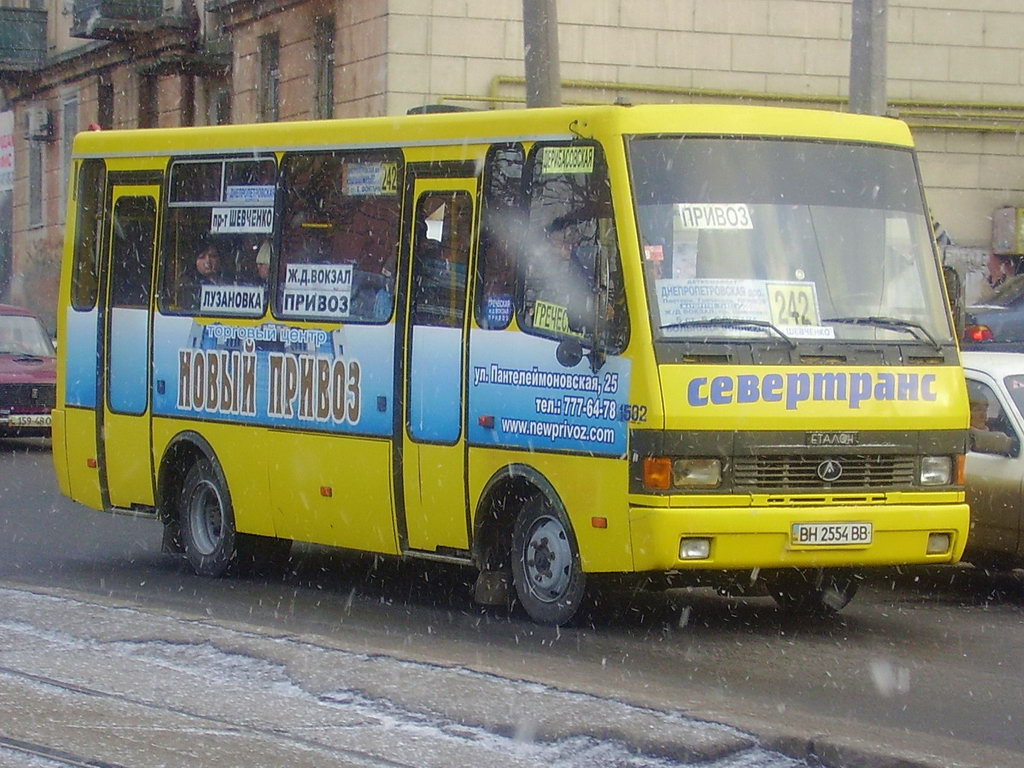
[(395, 54), (939, 51), (360, 64)]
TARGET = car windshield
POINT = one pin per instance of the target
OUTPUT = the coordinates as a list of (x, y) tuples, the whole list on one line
[(821, 240), (23, 335)]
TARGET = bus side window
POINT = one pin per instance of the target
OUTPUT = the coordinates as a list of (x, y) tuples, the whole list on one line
[(500, 227), (341, 213), (132, 252), (570, 258), (222, 207), (88, 239), (441, 253)]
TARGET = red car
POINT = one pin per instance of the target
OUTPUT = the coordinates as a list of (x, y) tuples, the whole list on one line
[(28, 371)]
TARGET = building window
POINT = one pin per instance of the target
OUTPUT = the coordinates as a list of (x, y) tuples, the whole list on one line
[(148, 112), (105, 102), (188, 100), (68, 128), (35, 183), (323, 61), (218, 102), (270, 77)]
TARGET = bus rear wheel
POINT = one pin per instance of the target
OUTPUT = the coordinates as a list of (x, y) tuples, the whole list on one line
[(207, 521), (546, 571), (812, 591)]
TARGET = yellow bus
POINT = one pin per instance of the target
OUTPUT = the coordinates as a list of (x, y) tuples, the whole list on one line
[(566, 347)]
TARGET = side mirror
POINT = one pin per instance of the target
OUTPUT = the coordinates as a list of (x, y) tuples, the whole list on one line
[(569, 352), (955, 297)]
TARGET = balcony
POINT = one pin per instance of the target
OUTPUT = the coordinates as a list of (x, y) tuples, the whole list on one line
[(22, 39), (254, 7), (121, 19)]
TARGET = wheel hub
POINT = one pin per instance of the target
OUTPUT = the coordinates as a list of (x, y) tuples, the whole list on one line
[(206, 516), (548, 559)]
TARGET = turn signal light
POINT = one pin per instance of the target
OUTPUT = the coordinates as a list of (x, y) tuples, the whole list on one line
[(959, 465), (658, 473)]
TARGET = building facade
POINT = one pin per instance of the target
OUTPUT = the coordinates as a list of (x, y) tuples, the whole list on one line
[(955, 73)]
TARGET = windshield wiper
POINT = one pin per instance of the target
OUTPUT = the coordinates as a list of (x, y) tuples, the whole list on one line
[(27, 357), (732, 322), (889, 323)]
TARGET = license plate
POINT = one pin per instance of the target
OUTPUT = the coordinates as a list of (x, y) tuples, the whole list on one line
[(830, 534), (29, 420)]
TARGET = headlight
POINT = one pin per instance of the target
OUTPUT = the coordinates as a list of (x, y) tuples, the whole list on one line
[(936, 470), (697, 473)]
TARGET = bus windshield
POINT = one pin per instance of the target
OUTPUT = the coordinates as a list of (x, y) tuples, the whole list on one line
[(805, 240)]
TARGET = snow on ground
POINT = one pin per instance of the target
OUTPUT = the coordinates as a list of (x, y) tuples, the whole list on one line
[(112, 683)]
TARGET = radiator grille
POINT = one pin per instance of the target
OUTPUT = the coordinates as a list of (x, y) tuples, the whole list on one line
[(21, 395), (859, 471)]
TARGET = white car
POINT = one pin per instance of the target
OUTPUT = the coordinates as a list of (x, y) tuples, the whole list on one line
[(995, 461)]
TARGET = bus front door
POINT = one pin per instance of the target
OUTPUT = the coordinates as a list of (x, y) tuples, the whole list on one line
[(434, 441), (125, 451)]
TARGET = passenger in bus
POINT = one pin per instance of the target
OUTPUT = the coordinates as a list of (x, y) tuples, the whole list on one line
[(372, 300), (210, 270), (263, 262), (210, 264)]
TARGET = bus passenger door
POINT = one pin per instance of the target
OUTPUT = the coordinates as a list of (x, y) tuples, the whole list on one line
[(434, 440), (125, 455)]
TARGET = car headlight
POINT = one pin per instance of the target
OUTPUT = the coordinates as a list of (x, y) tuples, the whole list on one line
[(936, 470), (696, 473)]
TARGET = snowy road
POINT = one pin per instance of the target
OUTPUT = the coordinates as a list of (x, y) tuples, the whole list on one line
[(114, 654), (96, 683)]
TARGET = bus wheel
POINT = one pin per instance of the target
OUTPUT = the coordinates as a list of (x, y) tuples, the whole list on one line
[(815, 591), (207, 522), (546, 570)]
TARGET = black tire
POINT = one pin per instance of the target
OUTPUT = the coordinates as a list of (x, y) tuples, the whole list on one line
[(546, 571), (819, 592), (207, 521)]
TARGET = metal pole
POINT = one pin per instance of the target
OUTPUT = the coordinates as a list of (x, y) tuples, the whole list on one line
[(540, 49), (867, 57)]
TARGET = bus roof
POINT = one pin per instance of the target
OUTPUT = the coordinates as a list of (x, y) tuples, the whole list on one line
[(492, 126)]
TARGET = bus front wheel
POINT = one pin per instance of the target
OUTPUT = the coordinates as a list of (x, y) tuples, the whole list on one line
[(207, 521), (813, 591), (546, 571)]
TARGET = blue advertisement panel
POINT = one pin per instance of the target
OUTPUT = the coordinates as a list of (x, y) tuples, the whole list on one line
[(520, 396), (276, 374), (129, 329), (435, 383), (80, 358)]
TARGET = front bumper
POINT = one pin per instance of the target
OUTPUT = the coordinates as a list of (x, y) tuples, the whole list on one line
[(759, 537)]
